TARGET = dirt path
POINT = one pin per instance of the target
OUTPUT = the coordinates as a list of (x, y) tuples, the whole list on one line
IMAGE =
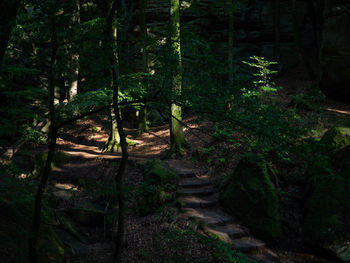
[(197, 195)]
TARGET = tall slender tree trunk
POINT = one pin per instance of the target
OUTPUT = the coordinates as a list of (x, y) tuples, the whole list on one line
[(177, 138), (277, 31), (8, 14), (142, 117), (230, 41), (303, 56), (73, 86), (111, 38), (33, 240)]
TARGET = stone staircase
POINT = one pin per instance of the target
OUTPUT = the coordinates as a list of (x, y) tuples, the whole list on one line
[(199, 201)]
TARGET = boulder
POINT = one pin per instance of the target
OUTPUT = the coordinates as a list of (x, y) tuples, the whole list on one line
[(157, 187), (251, 195), (336, 139), (335, 52), (327, 218), (88, 214)]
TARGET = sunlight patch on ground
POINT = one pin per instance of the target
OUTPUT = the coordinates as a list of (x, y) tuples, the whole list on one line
[(339, 111)]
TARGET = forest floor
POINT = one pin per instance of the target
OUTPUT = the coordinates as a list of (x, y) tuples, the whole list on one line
[(164, 236)]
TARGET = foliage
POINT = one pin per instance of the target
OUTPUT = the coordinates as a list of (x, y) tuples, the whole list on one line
[(263, 74)]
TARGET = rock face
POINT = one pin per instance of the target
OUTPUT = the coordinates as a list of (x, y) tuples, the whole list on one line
[(253, 26), (335, 51), (327, 218), (251, 196)]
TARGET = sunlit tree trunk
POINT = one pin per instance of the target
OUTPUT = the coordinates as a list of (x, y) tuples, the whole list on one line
[(230, 40), (303, 56), (142, 119), (113, 143), (73, 85), (8, 13), (177, 138)]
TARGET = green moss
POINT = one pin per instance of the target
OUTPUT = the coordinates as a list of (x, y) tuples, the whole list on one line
[(328, 209), (336, 139), (59, 159), (251, 195), (158, 186), (16, 205)]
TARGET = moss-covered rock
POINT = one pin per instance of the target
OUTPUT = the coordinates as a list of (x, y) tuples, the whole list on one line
[(327, 219), (336, 138), (251, 195), (158, 186), (17, 206), (40, 158)]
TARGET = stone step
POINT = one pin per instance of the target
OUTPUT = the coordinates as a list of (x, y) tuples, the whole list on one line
[(184, 169), (208, 216), (197, 191), (195, 182), (264, 256), (198, 202), (248, 244), (233, 231)]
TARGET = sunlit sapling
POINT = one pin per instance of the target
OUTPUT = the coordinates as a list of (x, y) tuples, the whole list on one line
[(263, 73)]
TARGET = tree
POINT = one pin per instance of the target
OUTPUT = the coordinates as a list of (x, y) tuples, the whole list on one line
[(8, 13), (230, 40), (276, 28), (177, 138), (142, 120), (111, 40), (53, 138), (303, 56), (73, 85)]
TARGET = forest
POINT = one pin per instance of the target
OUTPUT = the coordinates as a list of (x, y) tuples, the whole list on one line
[(174, 131)]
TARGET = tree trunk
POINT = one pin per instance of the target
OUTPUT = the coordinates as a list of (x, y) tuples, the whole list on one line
[(298, 43), (111, 38), (230, 41), (73, 86), (177, 138), (276, 25), (142, 117), (33, 240), (8, 13), (113, 143)]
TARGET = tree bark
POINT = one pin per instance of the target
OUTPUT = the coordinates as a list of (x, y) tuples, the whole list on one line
[(276, 25), (111, 38), (142, 117), (230, 41), (73, 86), (33, 240), (177, 138), (8, 14), (303, 56)]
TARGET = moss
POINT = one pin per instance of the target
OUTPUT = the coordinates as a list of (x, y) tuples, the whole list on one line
[(328, 209), (17, 205), (336, 139), (251, 195), (341, 162), (158, 186), (59, 159)]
